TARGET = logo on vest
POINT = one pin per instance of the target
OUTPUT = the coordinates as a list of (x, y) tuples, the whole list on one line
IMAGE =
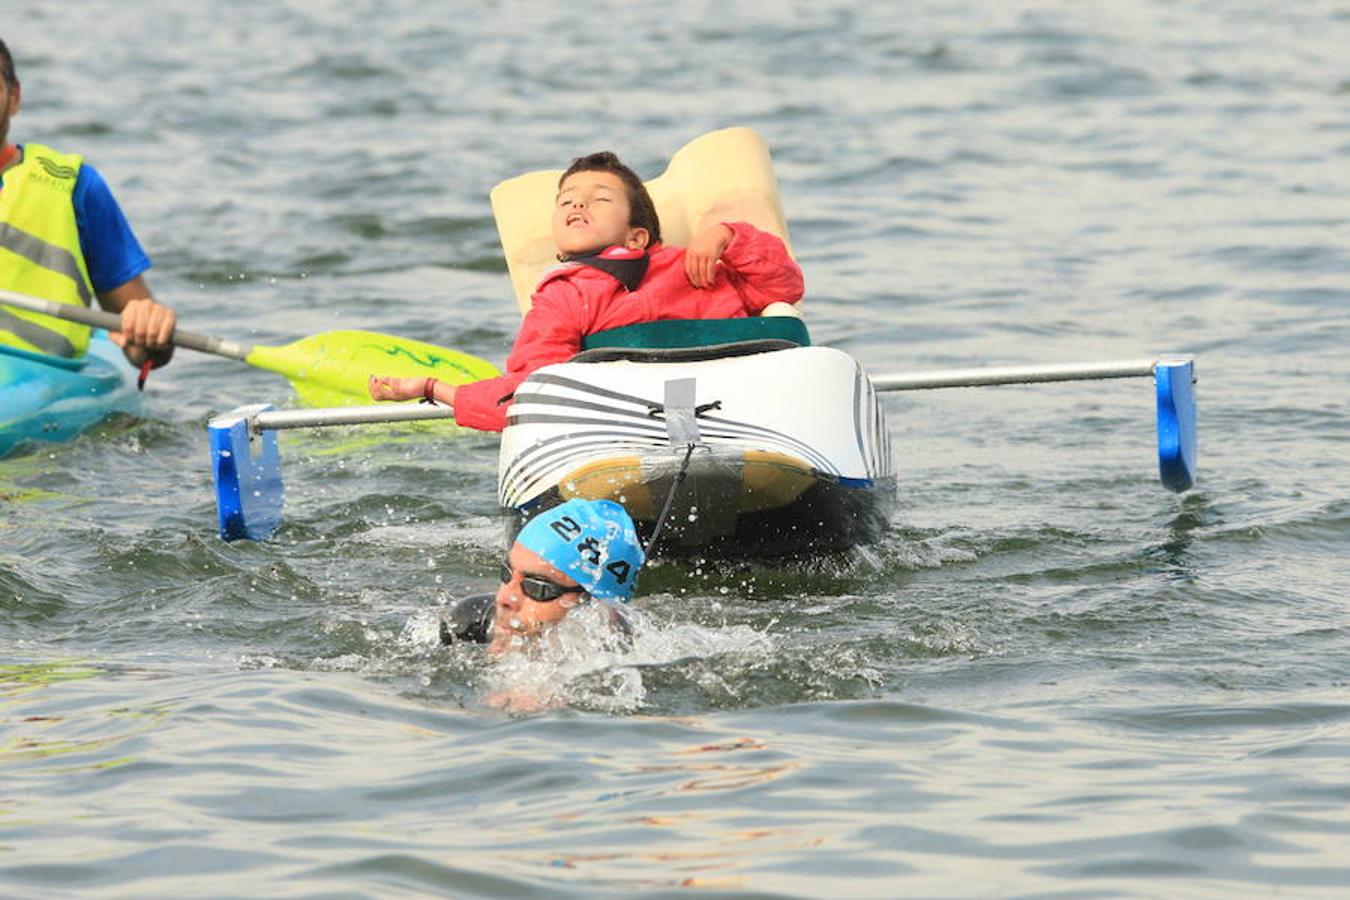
[(55, 170)]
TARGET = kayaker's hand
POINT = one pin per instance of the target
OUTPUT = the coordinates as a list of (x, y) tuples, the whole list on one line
[(700, 258), (385, 387), (146, 332), (145, 323)]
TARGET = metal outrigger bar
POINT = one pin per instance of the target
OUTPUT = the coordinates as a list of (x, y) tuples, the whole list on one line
[(246, 463)]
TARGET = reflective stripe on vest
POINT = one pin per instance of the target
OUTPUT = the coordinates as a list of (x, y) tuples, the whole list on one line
[(41, 339), (40, 251)]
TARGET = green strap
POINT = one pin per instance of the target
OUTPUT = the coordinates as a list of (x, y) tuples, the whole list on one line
[(675, 333)]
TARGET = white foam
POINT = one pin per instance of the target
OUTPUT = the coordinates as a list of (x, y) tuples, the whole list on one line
[(583, 661)]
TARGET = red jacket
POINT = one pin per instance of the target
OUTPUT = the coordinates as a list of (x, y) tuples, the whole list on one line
[(574, 301)]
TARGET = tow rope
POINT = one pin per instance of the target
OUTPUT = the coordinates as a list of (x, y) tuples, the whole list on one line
[(670, 498)]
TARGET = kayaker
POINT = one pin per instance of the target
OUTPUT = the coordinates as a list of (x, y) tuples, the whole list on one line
[(578, 552), (63, 237), (615, 271)]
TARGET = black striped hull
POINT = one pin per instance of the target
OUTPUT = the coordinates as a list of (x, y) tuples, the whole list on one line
[(791, 453)]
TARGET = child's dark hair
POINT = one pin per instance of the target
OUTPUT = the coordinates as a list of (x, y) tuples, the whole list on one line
[(641, 209), (7, 67)]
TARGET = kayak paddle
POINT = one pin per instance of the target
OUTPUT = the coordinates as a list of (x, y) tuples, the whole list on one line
[(326, 369)]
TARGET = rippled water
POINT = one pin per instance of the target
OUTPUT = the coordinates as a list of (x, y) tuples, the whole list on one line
[(1052, 678)]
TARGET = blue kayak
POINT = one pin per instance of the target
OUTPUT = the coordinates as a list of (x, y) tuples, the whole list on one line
[(47, 398)]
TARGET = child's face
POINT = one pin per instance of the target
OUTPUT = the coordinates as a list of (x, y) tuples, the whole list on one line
[(592, 213)]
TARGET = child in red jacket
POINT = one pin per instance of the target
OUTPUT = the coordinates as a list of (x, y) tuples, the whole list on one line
[(616, 272)]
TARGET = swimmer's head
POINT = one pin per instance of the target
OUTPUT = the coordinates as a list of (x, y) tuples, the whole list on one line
[(593, 542)]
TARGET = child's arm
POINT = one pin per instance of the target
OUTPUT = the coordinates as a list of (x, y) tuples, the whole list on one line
[(549, 333), (756, 262), (703, 252)]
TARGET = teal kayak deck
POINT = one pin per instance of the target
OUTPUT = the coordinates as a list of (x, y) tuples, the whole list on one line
[(46, 398)]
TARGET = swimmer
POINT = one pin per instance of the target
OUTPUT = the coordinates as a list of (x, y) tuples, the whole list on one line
[(571, 555)]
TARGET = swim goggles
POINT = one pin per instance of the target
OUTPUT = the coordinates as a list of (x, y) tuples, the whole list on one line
[(540, 590)]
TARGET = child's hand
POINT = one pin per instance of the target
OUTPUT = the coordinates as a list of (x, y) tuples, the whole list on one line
[(383, 387), (700, 259)]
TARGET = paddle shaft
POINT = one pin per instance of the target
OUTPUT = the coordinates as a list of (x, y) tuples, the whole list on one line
[(113, 322), (981, 377)]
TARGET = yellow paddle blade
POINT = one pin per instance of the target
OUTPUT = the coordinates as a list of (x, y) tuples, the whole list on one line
[(331, 368), (722, 176)]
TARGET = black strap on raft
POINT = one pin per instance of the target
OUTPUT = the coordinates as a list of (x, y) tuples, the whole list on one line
[(670, 498)]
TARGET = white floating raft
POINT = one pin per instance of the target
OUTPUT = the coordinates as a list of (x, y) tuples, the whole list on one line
[(785, 448)]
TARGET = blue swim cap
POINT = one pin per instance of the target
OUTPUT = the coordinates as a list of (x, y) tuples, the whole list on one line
[(592, 541)]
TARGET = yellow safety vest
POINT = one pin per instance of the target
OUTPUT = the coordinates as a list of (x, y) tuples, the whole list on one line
[(40, 251)]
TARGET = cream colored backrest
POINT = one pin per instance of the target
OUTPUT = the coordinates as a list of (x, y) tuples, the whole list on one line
[(721, 176)]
